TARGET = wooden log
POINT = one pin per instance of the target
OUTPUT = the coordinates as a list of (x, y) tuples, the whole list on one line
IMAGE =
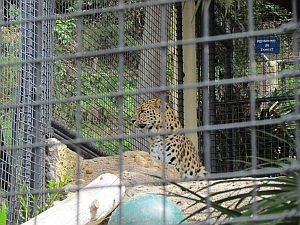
[(90, 205)]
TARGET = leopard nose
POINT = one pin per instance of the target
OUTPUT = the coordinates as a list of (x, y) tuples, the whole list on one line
[(142, 125)]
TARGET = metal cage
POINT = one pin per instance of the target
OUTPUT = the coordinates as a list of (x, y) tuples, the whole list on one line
[(76, 71)]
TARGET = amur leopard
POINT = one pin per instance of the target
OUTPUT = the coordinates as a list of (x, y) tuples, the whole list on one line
[(177, 149)]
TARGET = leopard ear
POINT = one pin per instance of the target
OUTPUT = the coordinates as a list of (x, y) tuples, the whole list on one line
[(157, 103)]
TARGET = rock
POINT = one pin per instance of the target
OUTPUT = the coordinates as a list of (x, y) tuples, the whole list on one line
[(59, 159), (142, 161), (137, 168), (89, 171)]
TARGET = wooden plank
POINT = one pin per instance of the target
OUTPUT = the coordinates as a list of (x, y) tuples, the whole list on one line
[(90, 205)]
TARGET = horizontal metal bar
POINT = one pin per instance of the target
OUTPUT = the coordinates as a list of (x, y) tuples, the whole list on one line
[(284, 74), (282, 29)]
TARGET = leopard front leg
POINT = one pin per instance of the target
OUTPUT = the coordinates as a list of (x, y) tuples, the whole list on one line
[(157, 147), (164, 150)]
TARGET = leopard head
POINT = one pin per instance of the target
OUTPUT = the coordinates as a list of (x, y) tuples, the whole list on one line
[(148, 115)]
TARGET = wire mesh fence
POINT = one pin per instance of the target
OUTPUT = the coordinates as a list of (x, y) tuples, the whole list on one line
[(232, 102), (77, 70)]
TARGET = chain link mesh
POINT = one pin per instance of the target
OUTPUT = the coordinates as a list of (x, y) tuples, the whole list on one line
[(76, 71)]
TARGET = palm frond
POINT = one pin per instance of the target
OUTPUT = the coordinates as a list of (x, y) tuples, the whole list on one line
[(271, 196)]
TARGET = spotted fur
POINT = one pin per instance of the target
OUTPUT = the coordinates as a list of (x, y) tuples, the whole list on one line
[(177, 149)]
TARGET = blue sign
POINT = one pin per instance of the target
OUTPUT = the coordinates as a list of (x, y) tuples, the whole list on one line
[(267, 45)]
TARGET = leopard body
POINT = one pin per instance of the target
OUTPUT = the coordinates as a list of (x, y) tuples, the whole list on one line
[(174, 148)]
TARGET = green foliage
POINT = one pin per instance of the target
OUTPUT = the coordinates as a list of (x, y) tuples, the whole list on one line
[(64, 30), (225, 3), (10, 45), (112, 147), (99, 116), (56, 193), (105, 28), (3, 213), (25, 211), (13, 11), (28, 200), (271, 139), (274, 195)]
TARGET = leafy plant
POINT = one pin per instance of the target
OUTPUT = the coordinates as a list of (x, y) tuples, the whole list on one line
[(25, 210), (57, 195), (274, 195), (3, 213), (28, 200), (64, 29)]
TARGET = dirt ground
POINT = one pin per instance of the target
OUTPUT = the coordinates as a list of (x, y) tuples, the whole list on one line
[(136, 167)]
